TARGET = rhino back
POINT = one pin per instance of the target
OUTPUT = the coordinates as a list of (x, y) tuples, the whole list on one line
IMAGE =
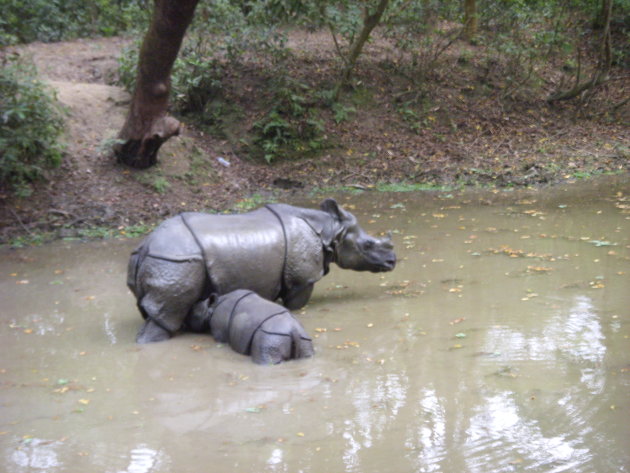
[(171, 239), (241, 251)]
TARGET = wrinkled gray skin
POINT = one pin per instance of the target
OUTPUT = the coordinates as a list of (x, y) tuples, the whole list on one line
[(252, 326), (168, 273)]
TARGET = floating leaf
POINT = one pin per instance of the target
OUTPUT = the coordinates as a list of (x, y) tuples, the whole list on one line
[(253, 410), (85, 402), (460, 335)]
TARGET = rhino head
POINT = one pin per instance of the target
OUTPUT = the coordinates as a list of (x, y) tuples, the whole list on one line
[(353, 248)]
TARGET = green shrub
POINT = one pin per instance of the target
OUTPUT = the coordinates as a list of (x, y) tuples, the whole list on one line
[(30, 125), (291, 127), (195, 79), (128, 65), (55, 20)]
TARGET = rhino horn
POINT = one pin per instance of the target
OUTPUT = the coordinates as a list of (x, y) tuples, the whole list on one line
[(387, 241)]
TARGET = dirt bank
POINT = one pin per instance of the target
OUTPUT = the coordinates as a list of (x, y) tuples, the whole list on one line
[(462, 138)]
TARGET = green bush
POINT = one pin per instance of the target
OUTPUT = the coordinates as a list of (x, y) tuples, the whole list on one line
[(25, 21), (195, 79), (291, 127), (30, 125)]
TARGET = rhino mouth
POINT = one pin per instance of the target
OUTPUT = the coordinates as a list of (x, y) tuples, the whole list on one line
[(386, 266), (382, 265)]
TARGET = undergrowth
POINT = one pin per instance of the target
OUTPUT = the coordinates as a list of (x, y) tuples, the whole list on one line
[(31, 124)]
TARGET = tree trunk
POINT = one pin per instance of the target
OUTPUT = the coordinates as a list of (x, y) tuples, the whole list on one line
[(470, 19), (147, 125), (600, 75), (369, 23)]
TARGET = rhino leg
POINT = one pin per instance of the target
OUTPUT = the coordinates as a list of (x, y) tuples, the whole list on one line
[(170, 289), (273, 348), (197, 319), (298, 297), (150, 332), (270, 349), (302, 347)]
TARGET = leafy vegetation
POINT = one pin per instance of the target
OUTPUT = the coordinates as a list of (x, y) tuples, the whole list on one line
[(292, 127), (31, 123), (55, 20), (519, 51)]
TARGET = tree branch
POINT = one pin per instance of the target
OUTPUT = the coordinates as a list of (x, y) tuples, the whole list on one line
[(369, 23)]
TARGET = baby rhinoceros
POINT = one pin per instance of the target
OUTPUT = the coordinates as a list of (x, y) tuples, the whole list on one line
[(252, 326)]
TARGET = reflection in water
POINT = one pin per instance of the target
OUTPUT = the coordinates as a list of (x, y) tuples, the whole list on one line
[(429, 434), (351, 449), (580, 335), (143, 460), (377, 403), (500, 433), (275, 462), (577, 335), (109, 328), (37, 454)]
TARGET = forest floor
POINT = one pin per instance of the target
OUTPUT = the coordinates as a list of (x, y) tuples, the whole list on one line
[(462, 125)]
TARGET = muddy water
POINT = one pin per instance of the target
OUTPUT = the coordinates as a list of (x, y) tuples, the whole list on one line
[(500, 343)]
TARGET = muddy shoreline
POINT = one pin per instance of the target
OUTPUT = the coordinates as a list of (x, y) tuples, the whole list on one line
[(466, 141)]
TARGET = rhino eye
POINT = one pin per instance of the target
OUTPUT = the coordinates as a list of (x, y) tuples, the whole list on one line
[(368, 245)]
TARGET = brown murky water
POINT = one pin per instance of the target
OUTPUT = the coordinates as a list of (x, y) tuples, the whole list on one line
[(500, 343)]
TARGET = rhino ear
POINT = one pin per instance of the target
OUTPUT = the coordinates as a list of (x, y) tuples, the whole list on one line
[(333, 208)]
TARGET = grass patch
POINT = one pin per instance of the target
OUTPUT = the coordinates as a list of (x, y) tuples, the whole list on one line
[(154, 180), (412, 187), (33, 239), (80, 234), (252, 202)]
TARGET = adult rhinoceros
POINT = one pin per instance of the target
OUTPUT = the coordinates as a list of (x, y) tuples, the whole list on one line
[(278, 251)]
